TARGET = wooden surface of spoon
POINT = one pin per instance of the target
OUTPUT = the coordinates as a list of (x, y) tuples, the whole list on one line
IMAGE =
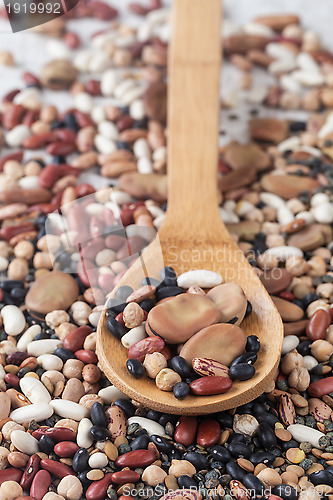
[(193, 235)]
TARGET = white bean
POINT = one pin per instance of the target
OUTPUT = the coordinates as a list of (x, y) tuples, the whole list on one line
[(13, 320)]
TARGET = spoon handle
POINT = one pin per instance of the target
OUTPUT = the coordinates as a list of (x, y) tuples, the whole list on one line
[(193, 109)]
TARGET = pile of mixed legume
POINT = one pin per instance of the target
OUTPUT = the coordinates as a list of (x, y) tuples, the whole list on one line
[(182, 337), (66, 433)]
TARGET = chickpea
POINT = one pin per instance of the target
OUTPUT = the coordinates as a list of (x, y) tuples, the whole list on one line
[(321, 350), (154, 363), (299, 379), (291, 361), (167, 379), (133, 315)]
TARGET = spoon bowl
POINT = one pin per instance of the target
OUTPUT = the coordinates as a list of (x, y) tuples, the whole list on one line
[(192, 235)]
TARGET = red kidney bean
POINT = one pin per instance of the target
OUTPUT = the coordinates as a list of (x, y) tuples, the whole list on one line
[(76, 221), (321, 387), (120, 318), (208, 433), (287, 295), (61, 148), (58, 434), (12, 379), (106, 281), (186, 430), (93, 87), (30, 117), (125, 476), (136, 458), (7, 233), (95, 226), (10, 96), (208, 386), (124, 122), (13, 116), (75, 339), (72, 40), (82, 190), (138, 9), (126, 216), (87, 357), (11, 474), (91, 248), (30, 471), (30, 79), (28, 196), (82, 119), (40, 484), (39, 141), (16, 358), (88, 273), (18, 156), (66, 449), (114, 242), (51, 173), (56, 468), (145, 346), (103, 11), (318, 324), (97, 490), (45, 208), (166, 350), (65, 134)]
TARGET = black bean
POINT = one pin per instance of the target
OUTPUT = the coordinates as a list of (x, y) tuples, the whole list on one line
[(135, 368), (285, 491), (83, 479), (150, 282), (186, 482), (235, 471), (321, 477), (117, 329), (168, 291), (181, 390), (125, 405), (147, 304), (239, 449), (252, 344), (262, 456), (248, 357), (268, 417), (162, 444), (199, 460), (253, 483), (167, 417), (8, 285), (220, 453), (46, 444), (154, 415), (123, 292), (169, 276), (243, 371), (237, 438), (224, 419), (116, 305), (99, 433), (304, 348), (180, 365), (266, 436), (97, 415), (140, 443), (80, 460), (64, 354)]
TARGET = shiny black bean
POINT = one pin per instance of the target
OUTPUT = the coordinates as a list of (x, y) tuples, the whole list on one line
[(181, 390), (115, 305), (168, 291), (140, 443), (267, 417), (154, 415), (181, 366), (162, 444), (169, 276), (135, 368), (80, 460), (97, 415), (253, 483), (186, 482), (117, 329), (151, 282), (235, 471), (147, 304), (46, 444), (224, 419), (242, 371), (304, 348), (99, 433), (248, 357), (321, 477), (252, 344), (239, 449), (64, 354), (266, 436), (262, 456), (8, 285), (125, 404), (220, 453), (199, 460)]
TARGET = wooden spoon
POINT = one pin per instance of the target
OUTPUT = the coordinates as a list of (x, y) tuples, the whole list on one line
[(193, 235)]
